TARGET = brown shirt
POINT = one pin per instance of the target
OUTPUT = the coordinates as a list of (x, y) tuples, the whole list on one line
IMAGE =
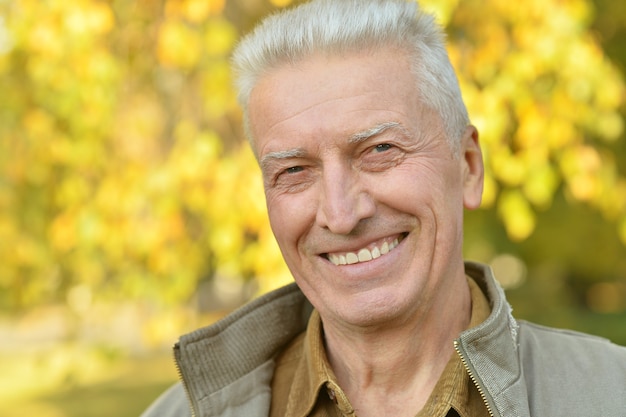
[(305, 385)]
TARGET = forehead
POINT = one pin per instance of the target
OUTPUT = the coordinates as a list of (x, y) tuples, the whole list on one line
[(323, 96)]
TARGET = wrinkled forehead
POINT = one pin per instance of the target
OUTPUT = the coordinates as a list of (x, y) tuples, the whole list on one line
[(351, 93)]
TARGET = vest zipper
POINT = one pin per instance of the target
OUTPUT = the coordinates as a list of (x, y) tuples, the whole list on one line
[(457, 347), (182, 381)]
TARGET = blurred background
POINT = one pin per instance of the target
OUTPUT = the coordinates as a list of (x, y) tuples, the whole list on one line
[(131, 210)]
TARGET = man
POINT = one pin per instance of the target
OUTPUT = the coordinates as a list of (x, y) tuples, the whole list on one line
[(368, 160)]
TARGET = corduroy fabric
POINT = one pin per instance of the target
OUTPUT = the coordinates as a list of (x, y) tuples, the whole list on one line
[(232, 355)]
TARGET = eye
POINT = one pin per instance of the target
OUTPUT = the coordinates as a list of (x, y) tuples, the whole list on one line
[(382, 147), (381, 156), (293, 170)]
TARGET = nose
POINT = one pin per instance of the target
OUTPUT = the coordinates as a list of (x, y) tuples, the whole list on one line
[(344, 200)]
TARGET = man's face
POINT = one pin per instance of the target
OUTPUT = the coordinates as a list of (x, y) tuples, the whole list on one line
[(364, 195)]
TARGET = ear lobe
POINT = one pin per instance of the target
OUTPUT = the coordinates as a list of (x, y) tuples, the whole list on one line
[(473, 169)]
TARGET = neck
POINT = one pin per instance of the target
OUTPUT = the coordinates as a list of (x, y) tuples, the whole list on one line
[(398, 363)]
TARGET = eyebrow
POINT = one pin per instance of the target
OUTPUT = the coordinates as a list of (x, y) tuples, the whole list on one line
[(268, 159), (376, 130)]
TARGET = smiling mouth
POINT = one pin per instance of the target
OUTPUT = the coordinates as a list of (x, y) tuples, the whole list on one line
[(366, 254)]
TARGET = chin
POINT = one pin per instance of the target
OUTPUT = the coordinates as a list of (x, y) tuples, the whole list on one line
[(372, 311)]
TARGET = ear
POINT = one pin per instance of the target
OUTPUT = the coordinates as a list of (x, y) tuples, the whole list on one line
[(473, 169)]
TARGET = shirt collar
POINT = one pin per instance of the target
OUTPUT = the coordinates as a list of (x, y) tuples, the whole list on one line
[(315, 383)]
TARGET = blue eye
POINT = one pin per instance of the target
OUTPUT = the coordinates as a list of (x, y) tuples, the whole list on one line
[(382, 147), (293, 170)]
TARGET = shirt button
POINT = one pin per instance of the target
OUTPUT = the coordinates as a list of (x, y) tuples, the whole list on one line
[(332, 395)]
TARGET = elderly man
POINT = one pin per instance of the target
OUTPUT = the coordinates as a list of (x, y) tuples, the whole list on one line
[(368, 158)]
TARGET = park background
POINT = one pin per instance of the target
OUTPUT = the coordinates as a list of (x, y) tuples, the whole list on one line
[(131, 210)]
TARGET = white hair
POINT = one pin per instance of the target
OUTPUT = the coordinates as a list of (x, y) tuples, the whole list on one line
[(343, 26)]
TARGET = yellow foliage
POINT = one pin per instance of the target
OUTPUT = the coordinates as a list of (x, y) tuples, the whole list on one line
[(220, 37), (196, 11), (516, 213), (45, 38), (219, 98), (123, 168), (610, 125), (178, 45), (541, 185), (537, 85), (137, 128), (442, 9), (281, 3), (62, 232), (509, 169), (581, 166), (89, 17)]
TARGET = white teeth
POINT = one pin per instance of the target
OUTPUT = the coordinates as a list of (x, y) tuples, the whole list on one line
[(384, 249), (351, 258), (363, 255)]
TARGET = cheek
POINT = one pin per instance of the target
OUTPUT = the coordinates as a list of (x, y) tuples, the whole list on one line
[(422, 189), (289, 218), (408, 186)]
